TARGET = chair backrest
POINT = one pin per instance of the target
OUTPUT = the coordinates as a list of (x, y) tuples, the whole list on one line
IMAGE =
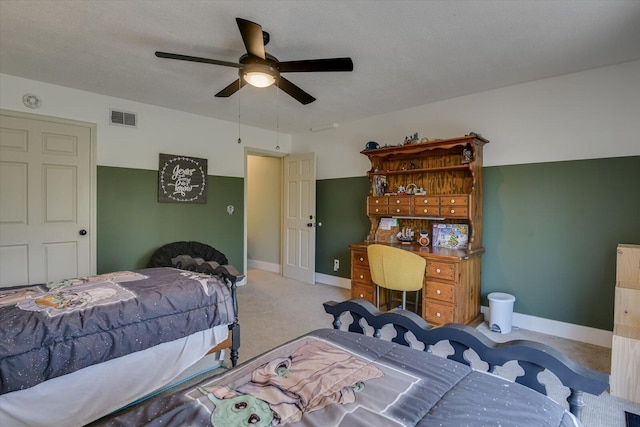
[(396, 269)]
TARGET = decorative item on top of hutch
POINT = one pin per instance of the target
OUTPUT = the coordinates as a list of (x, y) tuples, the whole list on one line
[(425, 184)]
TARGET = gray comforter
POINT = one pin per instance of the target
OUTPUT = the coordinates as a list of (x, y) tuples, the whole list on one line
[(51, 330), (337, 378)]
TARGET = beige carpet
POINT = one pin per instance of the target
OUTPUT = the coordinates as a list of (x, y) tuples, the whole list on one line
[(274, 310)]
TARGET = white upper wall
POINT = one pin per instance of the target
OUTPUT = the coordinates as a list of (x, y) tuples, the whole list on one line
[(160, 130), (586, 115)]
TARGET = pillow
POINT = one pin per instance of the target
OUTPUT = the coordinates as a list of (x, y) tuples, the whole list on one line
[(186, 262)]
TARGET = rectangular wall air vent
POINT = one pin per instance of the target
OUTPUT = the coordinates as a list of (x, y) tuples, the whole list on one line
[(123, 118)]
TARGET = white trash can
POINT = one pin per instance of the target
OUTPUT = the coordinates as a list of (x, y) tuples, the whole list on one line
[(500, 311)]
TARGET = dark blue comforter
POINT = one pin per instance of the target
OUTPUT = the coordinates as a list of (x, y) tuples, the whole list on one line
[(51, 330)]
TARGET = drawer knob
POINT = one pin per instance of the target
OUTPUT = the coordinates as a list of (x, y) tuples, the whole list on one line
[(437, 314), (453, 211), (453, 200), (362, 276), (361, 295), (425, 210), (438, 292), (426, 201), (361, 259), (398, 201), (398, 210), (437, 270), (377, 210), (377, 201)]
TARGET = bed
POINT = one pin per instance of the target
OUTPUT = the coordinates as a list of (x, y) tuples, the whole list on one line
[(80, 348), (342, 377), (202, 258)]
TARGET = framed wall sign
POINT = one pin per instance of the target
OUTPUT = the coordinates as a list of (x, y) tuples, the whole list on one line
[(182, 179)]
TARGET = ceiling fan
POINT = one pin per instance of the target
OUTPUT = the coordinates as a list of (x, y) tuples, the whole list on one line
[(260, 69)]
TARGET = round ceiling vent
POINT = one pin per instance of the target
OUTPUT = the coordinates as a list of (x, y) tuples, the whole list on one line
[(31, 101)]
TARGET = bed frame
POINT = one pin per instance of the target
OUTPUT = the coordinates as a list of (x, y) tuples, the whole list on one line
[(163, 257), (233, 339), (532, 356)]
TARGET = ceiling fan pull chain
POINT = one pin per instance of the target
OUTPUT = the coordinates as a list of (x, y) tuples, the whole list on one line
[(239, 86), (277, 119)]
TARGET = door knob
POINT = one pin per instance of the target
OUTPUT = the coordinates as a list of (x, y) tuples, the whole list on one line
[(83, 232)]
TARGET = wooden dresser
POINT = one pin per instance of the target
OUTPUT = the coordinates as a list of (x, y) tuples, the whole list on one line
[(625, 349), (450, 174)]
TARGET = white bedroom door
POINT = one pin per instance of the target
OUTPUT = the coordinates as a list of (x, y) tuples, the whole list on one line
[(45, 199), (299, 228)]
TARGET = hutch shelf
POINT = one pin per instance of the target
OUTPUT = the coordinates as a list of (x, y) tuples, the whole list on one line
[(417, 186)]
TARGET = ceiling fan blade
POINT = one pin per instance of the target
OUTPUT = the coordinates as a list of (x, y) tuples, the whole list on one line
[(293, 90), (329, 64), (231, 89), (252, 37), (197, 59)]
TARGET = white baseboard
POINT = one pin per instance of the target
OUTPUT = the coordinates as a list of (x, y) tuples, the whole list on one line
[(340, 282), (559, 329), (263, 265)]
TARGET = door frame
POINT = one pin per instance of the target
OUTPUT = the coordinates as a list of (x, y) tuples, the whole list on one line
[(251, 151), (92, 172)]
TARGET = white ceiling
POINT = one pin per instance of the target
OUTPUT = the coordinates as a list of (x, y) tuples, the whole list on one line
[(405, 53)]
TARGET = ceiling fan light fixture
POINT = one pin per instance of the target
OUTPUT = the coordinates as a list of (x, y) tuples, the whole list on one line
[(259, 75)]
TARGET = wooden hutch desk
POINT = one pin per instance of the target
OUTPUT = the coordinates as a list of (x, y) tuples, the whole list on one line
[(450, 173)]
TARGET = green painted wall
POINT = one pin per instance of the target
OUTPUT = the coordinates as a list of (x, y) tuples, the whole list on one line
[(132, 224), (550, 231)]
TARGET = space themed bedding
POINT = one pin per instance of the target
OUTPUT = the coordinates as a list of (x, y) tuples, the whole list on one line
[(47, 331), (338, 378)]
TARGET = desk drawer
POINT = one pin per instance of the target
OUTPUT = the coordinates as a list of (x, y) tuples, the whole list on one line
[(454, 200), (438, 313), (441, 270), (359, 259), (378, 210), (365, 292), (454, 211), (378, 200), (424, 210), (361, 275), (399, 210), (425, 201), (441, 291)]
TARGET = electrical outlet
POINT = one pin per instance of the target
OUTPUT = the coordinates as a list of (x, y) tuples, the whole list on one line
[(336, 265)]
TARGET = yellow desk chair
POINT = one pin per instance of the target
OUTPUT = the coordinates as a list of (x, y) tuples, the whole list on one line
[(396, 270)]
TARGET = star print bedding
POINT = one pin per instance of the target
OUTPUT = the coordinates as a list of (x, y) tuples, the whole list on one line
[(47, 331), (337, 378)]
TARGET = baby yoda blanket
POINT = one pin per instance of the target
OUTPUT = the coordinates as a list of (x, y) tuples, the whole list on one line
[(51, 330), (337, 378)]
